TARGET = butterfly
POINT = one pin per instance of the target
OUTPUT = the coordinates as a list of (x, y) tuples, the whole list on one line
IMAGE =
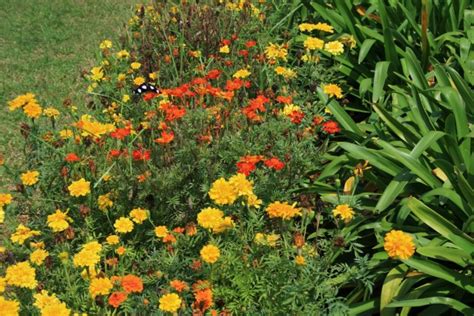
[(144, 88)]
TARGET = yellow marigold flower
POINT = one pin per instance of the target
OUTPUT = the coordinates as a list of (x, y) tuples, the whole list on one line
[(112, 239), (22, 233), (334, 47), (21, 275), (37, 257), (30, 177), (226, 223), (282, 210), (275, 51), (122, 54), (161, 231), (241, 184), (210, 253), (120, 250), (348, 40), (313, 43), (9, 308), (80, 187), (307, 58), (299, 260), (21, 101), (51, 112), (332, 90), (104, 202), (89, 255), (105, 44), (100, 286), (170, 302), (288, 109), (242, 73), (135, 65), (66, 133), (272, 239), (307, 27), (90, 127), (253, 201), (32, 110), (125, 98), (2, 215), (343, 211), (285, 72), (224, 49), (399, 244), (97, 74), (121, 77), (123, 225), (37, 245), (210, 217), (222, 192), (324, 27), (58, 221), (138, 81), (3, 284), (139, 215), (260, 238), (5, 199)]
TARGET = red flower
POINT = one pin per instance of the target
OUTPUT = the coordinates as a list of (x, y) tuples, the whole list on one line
[(331, 127), (250, 44), (141, 154), (274, 163), (173, 113), (149, 95), (244, 53), (72, 157), (131, 283), (117, 298), (114, 153), (225, 42), (284, 100), (120, 133), (213, 74), (165, 138), (296, 117)]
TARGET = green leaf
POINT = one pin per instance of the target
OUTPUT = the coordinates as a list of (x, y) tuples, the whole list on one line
[(441, 272), (343, 118), (441, 225), (390, 288), (455, 304), (363, 308), (381, 73), (457, 256), (365, 49)]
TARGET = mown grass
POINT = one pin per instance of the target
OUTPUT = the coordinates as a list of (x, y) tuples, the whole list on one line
[(44, 46)]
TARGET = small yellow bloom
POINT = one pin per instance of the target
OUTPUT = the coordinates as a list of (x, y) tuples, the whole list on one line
[(105, 44), (313, 43), (224, 49), (58, 221), (242, 73), (80, 187), (97, 74), (123, 225), (22, 275), (138, 81), (125, 98), (210, 253), (139, 215), (332, 90), (170, 303), (343, 211), (100, 286), (38, 256), (122, 54), (299, 260), (283, 210), (334, 47), (161, 231), (275, 51), (112, 239), (135, 65), (30, 177)]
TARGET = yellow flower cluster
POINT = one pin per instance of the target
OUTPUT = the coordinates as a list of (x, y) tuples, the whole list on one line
[(91, 127), (59, 221), (266, 239), (89, 255), (399, 244), (287, 73), (213, 219), (50, 304), (282, 210), (224, 192), (30, 177), (22, 275), (104, 202), (22, 233), (28, 102), (309, 27), (275, 52)]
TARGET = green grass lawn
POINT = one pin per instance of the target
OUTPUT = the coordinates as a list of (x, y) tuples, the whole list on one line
[(44, 45)]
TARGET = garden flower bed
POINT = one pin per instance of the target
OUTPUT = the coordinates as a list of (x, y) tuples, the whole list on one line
[(236, 159)]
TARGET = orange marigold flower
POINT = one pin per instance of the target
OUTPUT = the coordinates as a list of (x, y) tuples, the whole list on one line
[(179, 285), (203, 300), (165, 138), (399, 244), (283, 210), (72, 157), (132, 284), (274, 163), (117, 298)]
